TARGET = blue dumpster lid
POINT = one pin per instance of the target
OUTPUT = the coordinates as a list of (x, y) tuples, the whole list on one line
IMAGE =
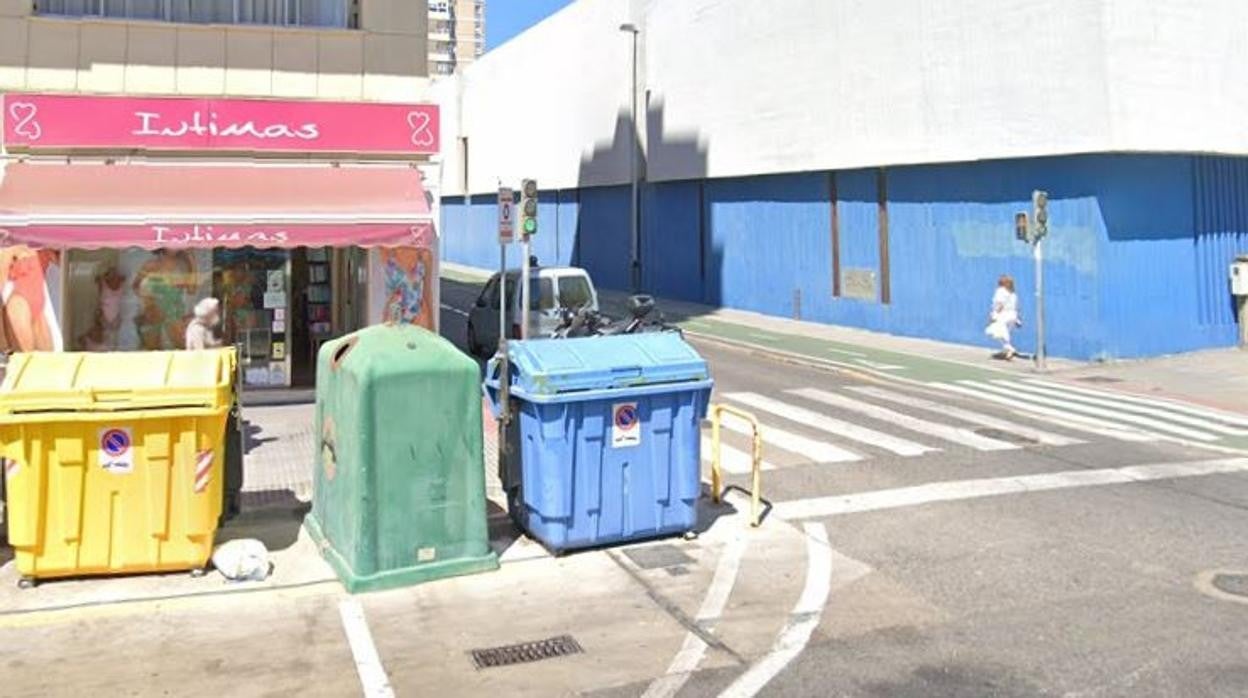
[(553, 366)]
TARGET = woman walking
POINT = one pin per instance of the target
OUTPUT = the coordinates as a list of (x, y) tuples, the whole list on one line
[(1004, 316)]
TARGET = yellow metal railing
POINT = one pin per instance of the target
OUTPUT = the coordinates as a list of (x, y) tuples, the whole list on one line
[(717, 478)]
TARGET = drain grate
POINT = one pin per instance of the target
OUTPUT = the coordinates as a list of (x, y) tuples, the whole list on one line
[(1233, 584), (1099, 379), (526, 652), (655, 557), (1006, 436)]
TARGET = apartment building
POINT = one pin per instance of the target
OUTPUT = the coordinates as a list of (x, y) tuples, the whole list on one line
[(273, 154), (456, 34)]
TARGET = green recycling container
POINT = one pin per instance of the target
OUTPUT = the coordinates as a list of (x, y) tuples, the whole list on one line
[(399, 484)]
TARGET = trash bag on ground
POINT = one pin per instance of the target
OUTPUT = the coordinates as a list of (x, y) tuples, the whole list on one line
[(242, 560)]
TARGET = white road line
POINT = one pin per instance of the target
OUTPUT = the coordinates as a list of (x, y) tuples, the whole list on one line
[(1107, 401), (817, 451), (990, 487), (1168, 405), (1079, 422), (693, 650), (731, 460), (1041, 437), (373, 677), (1116, 416), (879, 366), (957, 435), (457, 311), (834, 426), (802, 621)]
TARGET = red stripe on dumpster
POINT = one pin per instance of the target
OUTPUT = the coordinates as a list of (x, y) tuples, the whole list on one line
[(203, 471)]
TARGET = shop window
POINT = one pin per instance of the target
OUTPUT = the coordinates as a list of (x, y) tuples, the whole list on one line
[(126, 300), (405, 291), (308, 13), (28, 316)]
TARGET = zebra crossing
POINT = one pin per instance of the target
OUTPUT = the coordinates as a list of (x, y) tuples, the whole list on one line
[(851, 424)]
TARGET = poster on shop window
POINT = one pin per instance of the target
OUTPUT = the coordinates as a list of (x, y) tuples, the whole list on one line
[(30, 294), (401, 285), (126, 300)]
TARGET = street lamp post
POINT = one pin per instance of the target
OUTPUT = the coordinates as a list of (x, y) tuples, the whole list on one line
[(633, 222)]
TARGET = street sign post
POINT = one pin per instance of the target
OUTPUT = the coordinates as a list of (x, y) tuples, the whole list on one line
[(506, 215), (506, 233)]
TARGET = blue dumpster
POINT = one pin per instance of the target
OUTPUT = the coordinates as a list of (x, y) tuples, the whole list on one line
[(604, 443)]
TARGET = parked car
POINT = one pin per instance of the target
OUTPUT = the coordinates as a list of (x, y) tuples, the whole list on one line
[(551, 290)]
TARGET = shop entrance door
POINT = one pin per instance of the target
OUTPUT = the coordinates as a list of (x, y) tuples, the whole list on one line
[(254, 288)]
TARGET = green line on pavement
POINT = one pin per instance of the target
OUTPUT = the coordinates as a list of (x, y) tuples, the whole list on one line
[(853, 355)]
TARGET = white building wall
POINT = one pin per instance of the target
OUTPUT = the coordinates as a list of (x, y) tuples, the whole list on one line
[(742, 87), (1178, 75), (539, 104)]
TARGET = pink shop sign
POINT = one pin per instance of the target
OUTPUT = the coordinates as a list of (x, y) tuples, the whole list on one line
[(40, 121), (206, 236)]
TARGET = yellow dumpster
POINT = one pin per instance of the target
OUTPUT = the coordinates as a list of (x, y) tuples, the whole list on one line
[(114, 461)]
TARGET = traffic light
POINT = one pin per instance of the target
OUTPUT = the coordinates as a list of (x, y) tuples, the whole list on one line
[(1021, 229), (1040, 212), (528, 207)]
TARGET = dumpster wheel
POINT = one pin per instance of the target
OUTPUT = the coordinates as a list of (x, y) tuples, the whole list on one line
[(26, 583)]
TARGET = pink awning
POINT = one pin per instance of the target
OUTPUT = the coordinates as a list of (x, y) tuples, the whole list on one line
[(202, 205)]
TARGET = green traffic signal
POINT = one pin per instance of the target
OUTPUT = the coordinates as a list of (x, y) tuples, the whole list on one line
[(530, 225)]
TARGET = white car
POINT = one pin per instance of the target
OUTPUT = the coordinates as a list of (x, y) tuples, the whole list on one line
[(552, 289)]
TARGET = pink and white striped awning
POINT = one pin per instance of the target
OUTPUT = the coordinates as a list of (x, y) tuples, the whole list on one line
[(94, 205)]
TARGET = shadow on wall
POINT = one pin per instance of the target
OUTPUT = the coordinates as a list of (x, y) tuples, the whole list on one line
[(672, 258)]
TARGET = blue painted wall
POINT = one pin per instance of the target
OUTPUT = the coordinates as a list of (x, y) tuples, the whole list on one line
[(1136, 259)]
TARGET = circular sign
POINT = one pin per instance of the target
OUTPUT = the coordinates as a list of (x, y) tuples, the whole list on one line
[(115, 442), (626, 417)]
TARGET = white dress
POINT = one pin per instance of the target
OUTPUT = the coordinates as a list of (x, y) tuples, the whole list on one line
[(1004, 315)]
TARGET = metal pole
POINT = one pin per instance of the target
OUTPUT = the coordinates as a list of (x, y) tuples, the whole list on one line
[(634, 223), (504, 361), (524, 293), (1040, 350), (1242, 305), (502, 297)]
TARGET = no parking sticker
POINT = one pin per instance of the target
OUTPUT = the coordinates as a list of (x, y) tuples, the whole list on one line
[(116, 452), (625, 425)]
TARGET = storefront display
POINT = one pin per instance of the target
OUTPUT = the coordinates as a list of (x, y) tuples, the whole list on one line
[(312, 243), (405, 294), (252, 287), (128, 300), (30, 294)]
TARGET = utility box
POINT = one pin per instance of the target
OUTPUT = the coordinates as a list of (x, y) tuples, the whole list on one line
[(604, 443), (399, 481), (1239, 276)]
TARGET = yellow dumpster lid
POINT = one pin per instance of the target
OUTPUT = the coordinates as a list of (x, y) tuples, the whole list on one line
[(112, 381)]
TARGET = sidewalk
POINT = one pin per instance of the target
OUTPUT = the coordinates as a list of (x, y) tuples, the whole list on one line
[(1217, 378)]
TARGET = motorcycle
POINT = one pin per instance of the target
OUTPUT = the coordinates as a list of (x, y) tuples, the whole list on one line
[(587, 322)]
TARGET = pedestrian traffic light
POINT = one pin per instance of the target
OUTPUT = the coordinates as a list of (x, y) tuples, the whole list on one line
[(1021, 230), (1040, 206), (528, 207), (1040, 212)]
